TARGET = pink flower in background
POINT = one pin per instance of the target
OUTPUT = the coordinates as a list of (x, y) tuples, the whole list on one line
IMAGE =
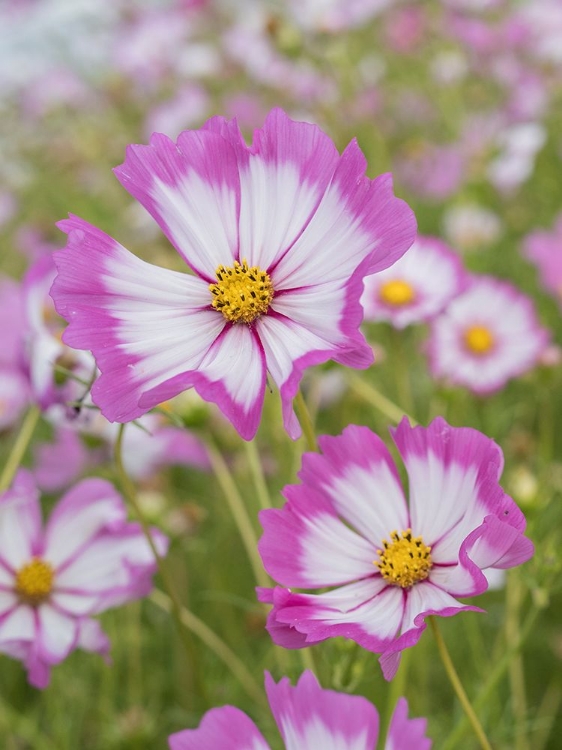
[(278, 235), (15, 393), (486, 336), (87, 559), (417, 287), (150, 444), (544, 250), (308, 718), (388, 564)]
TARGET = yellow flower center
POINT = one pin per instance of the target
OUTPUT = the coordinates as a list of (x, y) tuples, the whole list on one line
[(34, 582), (396, 293), (478, 339), (242, 293), (405, 560)]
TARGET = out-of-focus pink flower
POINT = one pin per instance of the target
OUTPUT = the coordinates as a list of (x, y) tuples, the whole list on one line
[(433, 172), (486, 336), (87, 559), (308, 718), (470, 227), (417, 287), (388, 564), (519, 146), (544, 250), (189, 107), (15, 393), (279, 236)]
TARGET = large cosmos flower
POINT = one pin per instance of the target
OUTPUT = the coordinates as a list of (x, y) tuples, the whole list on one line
[(308, 718), (417, 287), (388, 563), (486, 336), (278, 235), (86, 560)]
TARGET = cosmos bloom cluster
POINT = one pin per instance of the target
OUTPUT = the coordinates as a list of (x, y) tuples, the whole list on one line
[(388, 563), (482, 331), (278, 237), (308, 718), (53, 580)]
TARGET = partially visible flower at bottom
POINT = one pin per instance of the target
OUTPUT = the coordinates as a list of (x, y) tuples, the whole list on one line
[(308, 718), (86, 560), (388, 564)]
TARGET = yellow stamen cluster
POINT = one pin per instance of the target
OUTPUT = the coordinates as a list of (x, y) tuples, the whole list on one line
[(396, 292), (34, 582), (405, 560), (478, 339), (242, 293)]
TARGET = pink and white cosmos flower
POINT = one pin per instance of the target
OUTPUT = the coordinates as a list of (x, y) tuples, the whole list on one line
[(308, 718), (388, 563), (417, 287), (278, 235), (486, 336), (86, 560)]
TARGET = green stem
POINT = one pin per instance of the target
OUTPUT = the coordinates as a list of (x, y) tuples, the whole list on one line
[(380, 402), (129, 491), (516, 671), (303, 416), (239, 513), (256, 470), (492, 681), (457, 686), (214, 643), (20, 446)]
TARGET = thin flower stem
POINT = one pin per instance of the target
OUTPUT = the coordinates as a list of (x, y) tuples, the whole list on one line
[(20, 446), (516, 670), (457, 686), (239, 513), (256, 470), (380, 402), (129, 491), (214, 643), (493, 679), (303, 415)]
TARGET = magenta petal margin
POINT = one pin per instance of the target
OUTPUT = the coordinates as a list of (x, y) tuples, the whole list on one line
[(350, 500), (289, 204)]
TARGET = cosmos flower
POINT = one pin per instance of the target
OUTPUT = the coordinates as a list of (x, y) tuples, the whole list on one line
[(308, 718), (278, 235), (486, 336), (388, 564), (86, 560), (417, 287)]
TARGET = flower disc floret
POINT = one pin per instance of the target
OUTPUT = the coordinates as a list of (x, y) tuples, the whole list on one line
[(242, 293), (34, 582), (397, 292), (479, 339), (404, 560)]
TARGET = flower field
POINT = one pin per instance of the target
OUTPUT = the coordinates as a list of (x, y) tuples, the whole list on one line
[(280, 374)]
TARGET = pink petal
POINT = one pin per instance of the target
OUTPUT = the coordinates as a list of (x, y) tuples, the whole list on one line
[(20, 522), (405, 733), (358, 475), (232, 375), (310, 717), (225, 728), (87, 509), (57, 634), (192, 189)]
